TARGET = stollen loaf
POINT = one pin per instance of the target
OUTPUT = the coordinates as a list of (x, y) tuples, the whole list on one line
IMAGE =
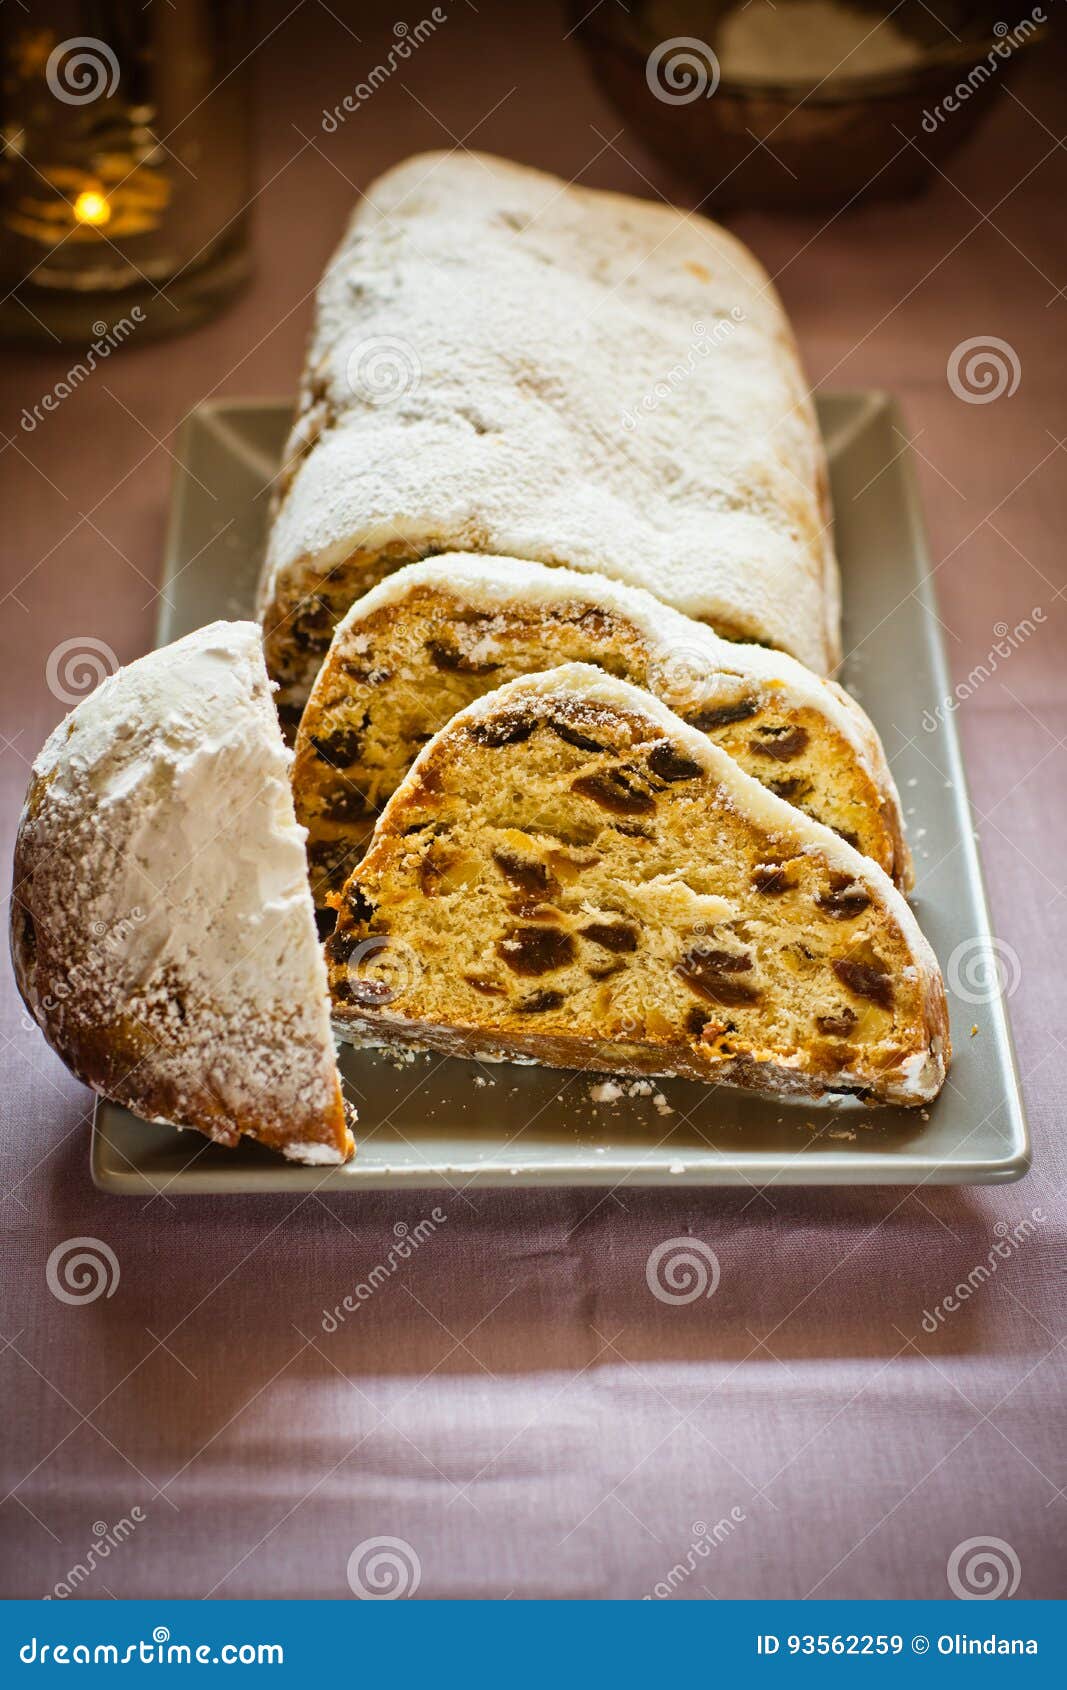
[(504, 363)]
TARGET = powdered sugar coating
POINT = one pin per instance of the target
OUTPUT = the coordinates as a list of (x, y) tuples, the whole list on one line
[(501, 363), (163, 931)]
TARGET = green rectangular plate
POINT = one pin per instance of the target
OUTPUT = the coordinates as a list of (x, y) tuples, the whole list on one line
[(436, 1124)]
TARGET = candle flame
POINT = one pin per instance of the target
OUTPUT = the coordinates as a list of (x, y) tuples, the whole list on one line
[(91, 207)]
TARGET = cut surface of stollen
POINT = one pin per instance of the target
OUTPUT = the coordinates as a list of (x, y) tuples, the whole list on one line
[(436, 635), (571, 874)]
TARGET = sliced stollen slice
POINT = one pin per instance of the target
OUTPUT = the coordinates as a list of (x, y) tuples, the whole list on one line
[(571, 874), (163, 933), (502, 362), (435, 636)]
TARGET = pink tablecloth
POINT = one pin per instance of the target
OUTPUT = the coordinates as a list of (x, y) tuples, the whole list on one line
[(516, 1407)]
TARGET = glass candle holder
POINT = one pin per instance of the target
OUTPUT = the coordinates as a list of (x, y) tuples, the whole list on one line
[(125, 166)]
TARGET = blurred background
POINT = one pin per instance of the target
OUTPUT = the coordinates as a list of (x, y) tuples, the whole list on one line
[(135, 142)]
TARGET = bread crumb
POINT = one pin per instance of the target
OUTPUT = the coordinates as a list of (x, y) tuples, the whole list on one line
[(608, 1091), (400, 1056)]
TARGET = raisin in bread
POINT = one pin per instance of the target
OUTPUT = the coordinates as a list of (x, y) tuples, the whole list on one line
[(571, 874), (504, 363), (162, 930), (437, 635)]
